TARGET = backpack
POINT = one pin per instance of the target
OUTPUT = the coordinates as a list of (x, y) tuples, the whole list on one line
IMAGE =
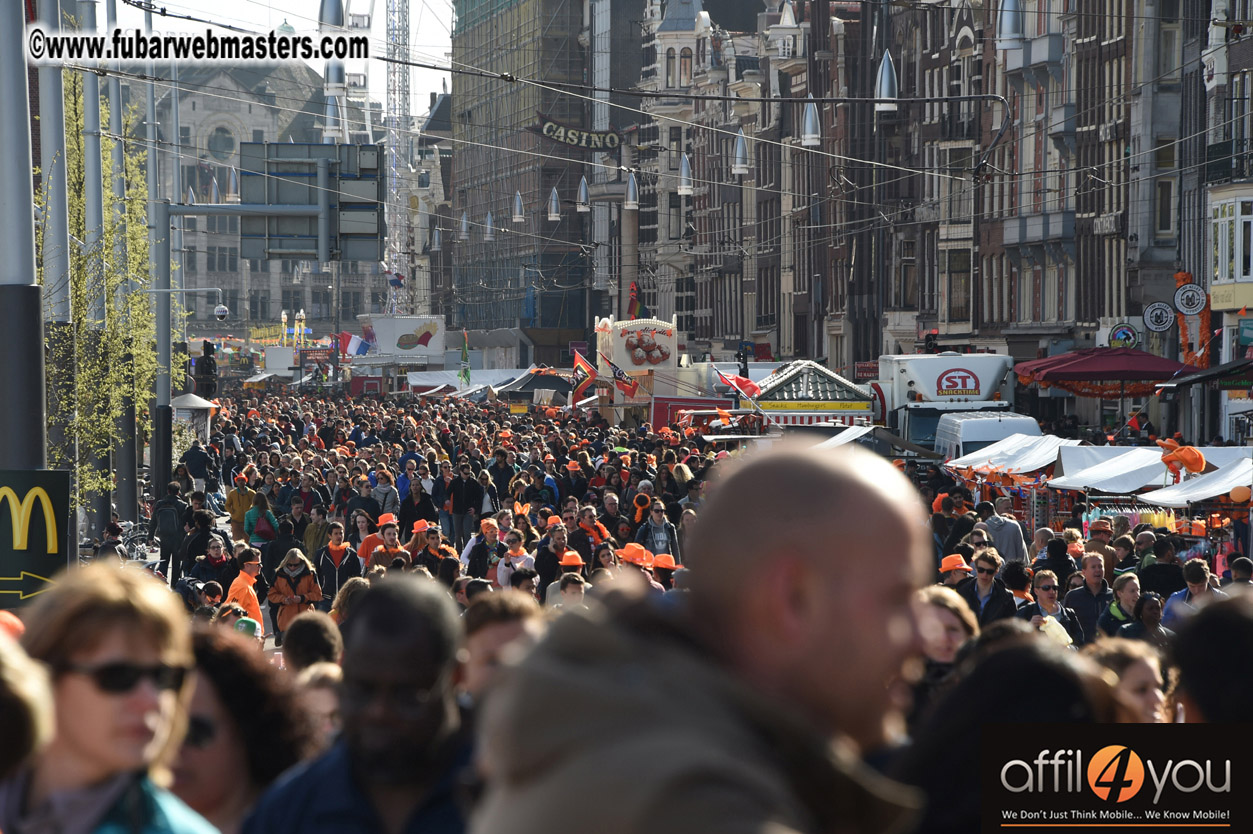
[(169, 526)]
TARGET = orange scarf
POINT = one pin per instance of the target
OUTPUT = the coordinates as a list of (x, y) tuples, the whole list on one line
[(337, 553), (597, 532)]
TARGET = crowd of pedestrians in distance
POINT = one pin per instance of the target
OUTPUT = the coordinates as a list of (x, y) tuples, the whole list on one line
[(442, 616)]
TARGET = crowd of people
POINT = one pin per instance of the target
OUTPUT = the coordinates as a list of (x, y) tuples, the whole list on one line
[(491, 622)]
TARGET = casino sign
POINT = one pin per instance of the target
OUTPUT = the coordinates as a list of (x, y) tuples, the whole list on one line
[(595, 140)]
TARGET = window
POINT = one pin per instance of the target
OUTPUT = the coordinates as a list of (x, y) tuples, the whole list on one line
[(255, 265), (190, 223), (685, 67), (184, 137), (259, 305), (320, 304), (258, 136), (908, 286), (378, 301), (294, 299), (676, 146), (958, 267), (1169, 56), (189, 259), (669, 68), (676, 216), (1164, 214)]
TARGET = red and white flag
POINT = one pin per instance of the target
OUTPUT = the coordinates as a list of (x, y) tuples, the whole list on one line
[(742, 384)]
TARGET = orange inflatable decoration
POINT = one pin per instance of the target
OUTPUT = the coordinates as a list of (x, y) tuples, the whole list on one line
[(1240, 494), (1177, 458)]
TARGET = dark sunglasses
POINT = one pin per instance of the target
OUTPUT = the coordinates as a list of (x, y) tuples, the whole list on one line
[(1043, 588), (119, 678), (658, 510), (201, 732), (513, 541), (987, 571)]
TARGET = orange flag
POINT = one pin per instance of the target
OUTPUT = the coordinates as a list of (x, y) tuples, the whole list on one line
[(1244, 311), (725, 416)]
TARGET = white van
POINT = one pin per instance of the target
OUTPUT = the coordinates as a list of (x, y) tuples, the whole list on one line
[(961, 433)]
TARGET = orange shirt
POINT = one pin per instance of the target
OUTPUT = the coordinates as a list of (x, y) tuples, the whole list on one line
[(368, 545), (245, 595)]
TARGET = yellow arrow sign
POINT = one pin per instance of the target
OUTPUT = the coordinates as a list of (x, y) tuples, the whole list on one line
[(29, 585)]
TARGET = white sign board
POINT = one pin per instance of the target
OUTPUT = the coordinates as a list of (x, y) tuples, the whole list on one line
[(409, 336)]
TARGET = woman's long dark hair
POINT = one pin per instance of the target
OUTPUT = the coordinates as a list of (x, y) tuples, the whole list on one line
[(262, 702)]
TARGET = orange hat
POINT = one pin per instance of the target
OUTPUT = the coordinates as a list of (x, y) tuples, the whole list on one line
[(571, 559), (386, 519), (664, 560), (554, 520), (547, 458), (488, 522), (1099, 525), (422, 525), (953, 561), (573, 466), (636, 554)]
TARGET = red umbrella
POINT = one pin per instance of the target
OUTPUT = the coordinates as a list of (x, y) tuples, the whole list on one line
[(1100, 364), (1101, 372)]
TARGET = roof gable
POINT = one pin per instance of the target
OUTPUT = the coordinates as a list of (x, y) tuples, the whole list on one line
[(806, 381)]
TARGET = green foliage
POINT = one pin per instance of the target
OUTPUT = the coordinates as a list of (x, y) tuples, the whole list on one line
[(94, 365)]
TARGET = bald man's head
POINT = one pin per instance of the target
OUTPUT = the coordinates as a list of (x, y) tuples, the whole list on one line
[(804, 563)]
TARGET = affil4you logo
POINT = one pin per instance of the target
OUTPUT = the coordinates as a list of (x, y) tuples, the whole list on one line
[(1115, 774)]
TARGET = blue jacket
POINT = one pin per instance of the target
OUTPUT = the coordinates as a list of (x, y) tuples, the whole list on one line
[(1179, 606), (322, 797)]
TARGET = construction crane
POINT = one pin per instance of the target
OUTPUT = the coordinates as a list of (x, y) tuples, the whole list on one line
[(398, 126)]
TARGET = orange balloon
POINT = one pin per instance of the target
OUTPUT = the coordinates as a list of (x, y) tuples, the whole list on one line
[(1240, 494)]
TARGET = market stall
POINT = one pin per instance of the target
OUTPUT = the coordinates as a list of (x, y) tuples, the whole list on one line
[(1140, 468), (1017, 453), (803, 393)]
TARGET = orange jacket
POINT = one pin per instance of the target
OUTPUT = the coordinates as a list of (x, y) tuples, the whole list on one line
[(304, 586), (242, 592)]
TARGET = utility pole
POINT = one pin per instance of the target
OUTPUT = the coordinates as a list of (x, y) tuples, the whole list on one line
[(98, 504), (126, 456), (56, 232), (21, 299)]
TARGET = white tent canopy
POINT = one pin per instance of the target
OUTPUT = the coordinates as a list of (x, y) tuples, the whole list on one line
[(1203, 487), (1140, 468), (1071, 459), (1017, 453), (493, 377), (847, 436)]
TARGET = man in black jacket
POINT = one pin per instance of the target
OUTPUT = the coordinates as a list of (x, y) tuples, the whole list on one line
[(986, 595), (1164, 576), (336, 563), (467, 499)]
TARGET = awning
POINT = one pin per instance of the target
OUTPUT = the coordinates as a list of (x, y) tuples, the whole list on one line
[(1140, 468), (878, 433), (1239, 370), (259, 378), (1072, 459), (1016, 453), (1203, 487)]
